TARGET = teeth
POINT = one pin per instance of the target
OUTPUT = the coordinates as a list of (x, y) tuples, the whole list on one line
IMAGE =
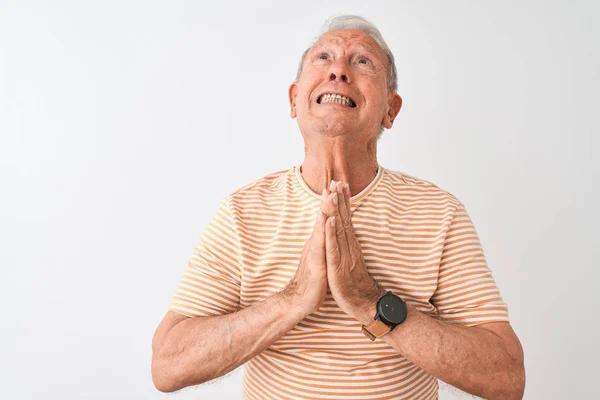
[(336, 99)]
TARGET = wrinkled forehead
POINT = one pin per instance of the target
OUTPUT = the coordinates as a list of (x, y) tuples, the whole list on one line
[(348, 39)]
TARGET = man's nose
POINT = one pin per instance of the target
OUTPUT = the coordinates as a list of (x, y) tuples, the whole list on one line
[(338, 72), (342, 77)]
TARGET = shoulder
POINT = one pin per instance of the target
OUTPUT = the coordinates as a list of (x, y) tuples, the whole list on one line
[(271, 186), (404, 184)]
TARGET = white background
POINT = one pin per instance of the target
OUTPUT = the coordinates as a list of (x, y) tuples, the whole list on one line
[(123, 124)]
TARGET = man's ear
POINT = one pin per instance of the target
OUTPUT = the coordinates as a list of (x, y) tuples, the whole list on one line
[(292, 93), (394, 106)]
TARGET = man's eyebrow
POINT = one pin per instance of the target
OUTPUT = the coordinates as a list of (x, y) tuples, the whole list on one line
[(361, 46), (319, 46), (369, 49)]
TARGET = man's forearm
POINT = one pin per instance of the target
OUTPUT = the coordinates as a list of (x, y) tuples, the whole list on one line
[(200, 349), (472, 359)]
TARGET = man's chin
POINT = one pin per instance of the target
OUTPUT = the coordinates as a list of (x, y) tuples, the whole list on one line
[(333, 127)]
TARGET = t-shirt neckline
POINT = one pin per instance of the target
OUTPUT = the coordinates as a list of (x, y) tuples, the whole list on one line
[(354, 199)]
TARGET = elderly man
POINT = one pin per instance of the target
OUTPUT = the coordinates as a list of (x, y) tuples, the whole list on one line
[(341, 279)]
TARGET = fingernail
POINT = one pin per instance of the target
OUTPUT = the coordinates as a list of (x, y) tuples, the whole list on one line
[(335, 198), (324, 192), (332, 186), (333, 222), (320, 216)]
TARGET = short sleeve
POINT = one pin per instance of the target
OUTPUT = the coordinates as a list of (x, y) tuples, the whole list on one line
[(211, 282), (466, 291)]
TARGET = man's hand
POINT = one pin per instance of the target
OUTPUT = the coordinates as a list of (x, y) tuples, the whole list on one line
[(353, 289), (308, 287)]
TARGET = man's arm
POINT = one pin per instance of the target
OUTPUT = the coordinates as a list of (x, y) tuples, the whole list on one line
[(485, 360), (190, 351)]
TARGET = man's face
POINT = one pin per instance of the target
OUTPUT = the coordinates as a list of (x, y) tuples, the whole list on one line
[(349, 64)]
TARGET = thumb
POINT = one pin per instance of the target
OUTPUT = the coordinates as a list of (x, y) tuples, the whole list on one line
[(332, 251), (319, 234)]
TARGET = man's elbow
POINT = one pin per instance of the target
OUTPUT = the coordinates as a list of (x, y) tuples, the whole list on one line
[(163, 386), (519, 382), (167, 379), (514, 387), (518, 372), (161, 380), (164, 378)]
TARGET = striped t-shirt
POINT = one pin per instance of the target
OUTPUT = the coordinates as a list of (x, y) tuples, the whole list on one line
[(417, 240)]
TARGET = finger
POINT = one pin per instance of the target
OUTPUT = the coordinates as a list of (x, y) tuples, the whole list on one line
[(347, 196), (345, 230), (326, 206), (350, 230), (340, 231), (319, 229), (342, 238), (342, 207), (317, 240), (332, 251)]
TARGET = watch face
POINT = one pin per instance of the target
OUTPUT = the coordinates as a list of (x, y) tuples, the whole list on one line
[(393, 309)]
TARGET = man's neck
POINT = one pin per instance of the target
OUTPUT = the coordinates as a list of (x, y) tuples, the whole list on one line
[(318, 170)]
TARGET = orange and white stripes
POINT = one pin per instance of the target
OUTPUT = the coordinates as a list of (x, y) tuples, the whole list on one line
[(418, 241)]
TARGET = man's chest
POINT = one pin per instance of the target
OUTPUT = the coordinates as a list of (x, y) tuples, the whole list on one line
[(400, 251)]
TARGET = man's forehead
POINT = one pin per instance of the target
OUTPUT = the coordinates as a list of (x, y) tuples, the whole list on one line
[(347, 38)]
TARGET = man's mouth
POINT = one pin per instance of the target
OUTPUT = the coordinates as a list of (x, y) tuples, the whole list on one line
[(336, 99)]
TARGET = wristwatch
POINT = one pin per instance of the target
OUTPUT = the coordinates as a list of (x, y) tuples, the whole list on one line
[(391, 311)]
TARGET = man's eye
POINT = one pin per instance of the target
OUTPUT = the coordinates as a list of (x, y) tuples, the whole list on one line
[(323, 56), (364, 61)]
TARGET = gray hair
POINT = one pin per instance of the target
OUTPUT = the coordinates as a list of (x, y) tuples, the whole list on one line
[(357, 23)]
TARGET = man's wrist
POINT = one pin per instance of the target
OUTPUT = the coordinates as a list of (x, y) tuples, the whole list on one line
[(294, 301), (368, 309)]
